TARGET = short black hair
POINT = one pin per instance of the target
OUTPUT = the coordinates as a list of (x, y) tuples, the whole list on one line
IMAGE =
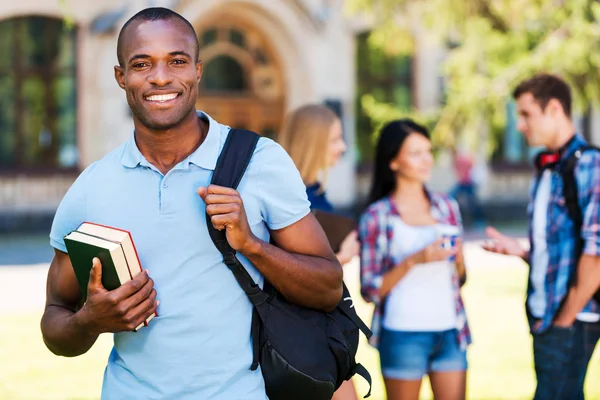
[(154, 14), (545, 87)]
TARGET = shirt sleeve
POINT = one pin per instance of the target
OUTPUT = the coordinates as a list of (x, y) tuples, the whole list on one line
[(71, 211), (373, 247), (588, 185), (282, 193)]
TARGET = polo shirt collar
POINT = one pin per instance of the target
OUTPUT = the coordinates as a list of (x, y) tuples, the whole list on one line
[(205, 156)]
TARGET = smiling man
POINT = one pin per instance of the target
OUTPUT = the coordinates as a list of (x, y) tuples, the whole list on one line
[(156, 186)]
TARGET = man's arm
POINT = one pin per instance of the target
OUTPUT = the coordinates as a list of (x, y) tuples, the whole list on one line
[(302, 266), (62, 330), (587, 274), (586, 284), (71, 331)]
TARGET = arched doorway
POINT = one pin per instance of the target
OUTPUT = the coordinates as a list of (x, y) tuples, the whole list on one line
[(242, 83)]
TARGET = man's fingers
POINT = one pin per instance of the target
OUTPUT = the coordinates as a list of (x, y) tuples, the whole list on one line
[(214, 189), (222, 199), (138, 297), (493, 233), (127, 289), (218, 209), (222, 220), (142, 311), (95, 282)]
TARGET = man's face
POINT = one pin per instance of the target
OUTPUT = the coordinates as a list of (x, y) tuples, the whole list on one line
[(160, 74), (537, 125)]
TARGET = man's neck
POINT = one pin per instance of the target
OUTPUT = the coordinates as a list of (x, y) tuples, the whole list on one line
[(165, 149), (565, 133)]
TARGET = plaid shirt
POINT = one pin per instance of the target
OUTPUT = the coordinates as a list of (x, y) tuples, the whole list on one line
[(376, 235), (560, 235)]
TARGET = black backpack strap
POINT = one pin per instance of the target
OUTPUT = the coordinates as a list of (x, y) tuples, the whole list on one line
[(570, 193), (231, 166), (362, 371), (354, 317), (255, 335)]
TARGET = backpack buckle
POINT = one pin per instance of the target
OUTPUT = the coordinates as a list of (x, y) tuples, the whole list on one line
[(229, 258)]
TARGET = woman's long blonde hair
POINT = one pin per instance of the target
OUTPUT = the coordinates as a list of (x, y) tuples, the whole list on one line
[(305, 136)]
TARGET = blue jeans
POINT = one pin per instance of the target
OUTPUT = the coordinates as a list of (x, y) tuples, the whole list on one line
[(411, 355), (561, 357)]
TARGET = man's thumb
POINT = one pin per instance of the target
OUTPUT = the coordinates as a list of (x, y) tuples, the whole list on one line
[(96, 274), (493, 233), (202, 192)]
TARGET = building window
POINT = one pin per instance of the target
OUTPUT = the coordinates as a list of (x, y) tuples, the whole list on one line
[(223, 73), (38, 116), (388, 79)]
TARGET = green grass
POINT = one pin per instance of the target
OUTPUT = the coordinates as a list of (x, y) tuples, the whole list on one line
[(500, 359)]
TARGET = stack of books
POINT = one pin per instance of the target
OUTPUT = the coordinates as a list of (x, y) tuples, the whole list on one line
[(116, 251)]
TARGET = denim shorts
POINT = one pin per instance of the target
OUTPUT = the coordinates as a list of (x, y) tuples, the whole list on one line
[(411, 355)]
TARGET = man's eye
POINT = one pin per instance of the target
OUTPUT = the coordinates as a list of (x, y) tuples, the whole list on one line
[(179, 62), (139, 65)]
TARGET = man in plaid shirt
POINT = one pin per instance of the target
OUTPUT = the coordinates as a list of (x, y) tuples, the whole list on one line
[(563, 318)]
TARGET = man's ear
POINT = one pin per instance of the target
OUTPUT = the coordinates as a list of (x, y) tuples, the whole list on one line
[(199, 69), (554, 107), (120, 76)]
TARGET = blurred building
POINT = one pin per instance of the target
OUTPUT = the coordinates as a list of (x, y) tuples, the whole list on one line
[(61, 109)]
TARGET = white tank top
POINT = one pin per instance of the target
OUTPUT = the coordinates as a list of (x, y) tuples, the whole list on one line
[(423, 300)]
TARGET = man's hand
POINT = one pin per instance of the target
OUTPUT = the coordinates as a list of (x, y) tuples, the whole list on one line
[(502, 244), (226, 210), (122, 309)]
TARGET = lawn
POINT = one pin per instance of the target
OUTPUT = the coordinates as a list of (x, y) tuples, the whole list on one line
[(500, 358)]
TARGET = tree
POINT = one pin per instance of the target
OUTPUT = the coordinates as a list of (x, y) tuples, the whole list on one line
[(491, 46)]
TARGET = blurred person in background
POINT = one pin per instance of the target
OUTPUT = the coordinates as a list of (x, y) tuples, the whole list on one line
[(465, 190), (419, 323), (312, 136), (564, 263)]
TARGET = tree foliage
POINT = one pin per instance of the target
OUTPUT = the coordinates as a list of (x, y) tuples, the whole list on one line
[(490, 46)]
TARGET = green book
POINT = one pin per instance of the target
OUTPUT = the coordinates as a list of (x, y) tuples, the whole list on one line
[(82, 249)]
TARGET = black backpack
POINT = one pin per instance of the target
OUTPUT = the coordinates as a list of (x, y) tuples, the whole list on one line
[(572, 199), (304, 354)]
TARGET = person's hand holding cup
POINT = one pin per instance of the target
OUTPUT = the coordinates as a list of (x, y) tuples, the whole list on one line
[(450, 236)]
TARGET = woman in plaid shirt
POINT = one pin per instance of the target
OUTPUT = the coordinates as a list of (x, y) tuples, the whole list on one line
[(419, 323)]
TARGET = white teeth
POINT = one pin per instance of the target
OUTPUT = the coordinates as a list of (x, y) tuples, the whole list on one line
[(162, 97)]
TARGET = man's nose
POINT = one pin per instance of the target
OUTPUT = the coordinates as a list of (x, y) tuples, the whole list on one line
[(521, 125), (161, 75)]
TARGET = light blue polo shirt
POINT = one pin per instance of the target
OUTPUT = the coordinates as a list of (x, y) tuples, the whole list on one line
[(199, 345)]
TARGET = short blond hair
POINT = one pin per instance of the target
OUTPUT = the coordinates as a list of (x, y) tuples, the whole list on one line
[(305, 136)]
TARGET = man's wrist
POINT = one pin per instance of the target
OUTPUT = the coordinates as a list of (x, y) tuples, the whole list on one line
[(564, 321), (81, 322), (253, 247)]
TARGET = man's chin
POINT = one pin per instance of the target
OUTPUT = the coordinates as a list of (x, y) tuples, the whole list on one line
[(161, 124)]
